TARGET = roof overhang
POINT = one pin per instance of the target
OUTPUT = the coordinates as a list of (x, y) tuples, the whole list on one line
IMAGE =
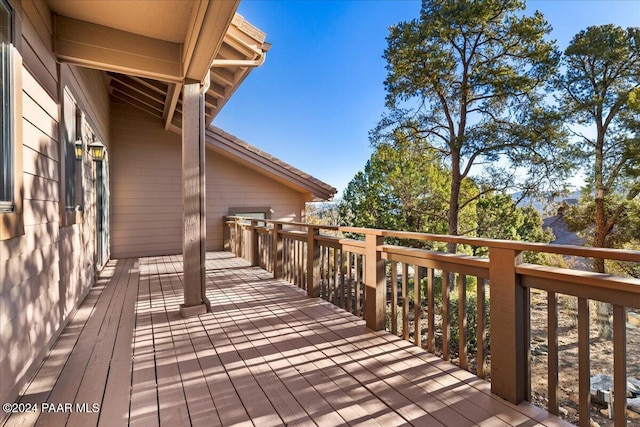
[(267, 165), (150, 49)]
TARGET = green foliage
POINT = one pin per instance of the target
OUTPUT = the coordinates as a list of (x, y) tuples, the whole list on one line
[(624, 235), (471, 312), (400, 189), (466, 81), (472, 321), (500, 218)]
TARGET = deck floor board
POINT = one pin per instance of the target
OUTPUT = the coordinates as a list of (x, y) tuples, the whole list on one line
[(266, 355)]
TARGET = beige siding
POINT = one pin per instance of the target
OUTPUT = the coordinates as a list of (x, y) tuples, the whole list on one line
[(47, 271), (146, 193)]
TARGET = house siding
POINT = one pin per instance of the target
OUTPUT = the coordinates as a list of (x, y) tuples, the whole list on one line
[(146, 183), (47, 271)]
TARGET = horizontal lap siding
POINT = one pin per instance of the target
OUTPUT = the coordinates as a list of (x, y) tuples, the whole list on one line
[(46, 271), (230, 184), (146, 179), (146, 192), (29, 297)]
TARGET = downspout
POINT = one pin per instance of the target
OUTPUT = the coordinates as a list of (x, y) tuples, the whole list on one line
[(203, 198)]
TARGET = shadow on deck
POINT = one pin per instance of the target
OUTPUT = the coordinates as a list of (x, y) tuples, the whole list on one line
[(265, 355)]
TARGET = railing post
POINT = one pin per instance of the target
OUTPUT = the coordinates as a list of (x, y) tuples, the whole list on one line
[(509, 314), (255, 250), (238, 239), (313, 262), (375, 292), (226, 235), (277, 250)]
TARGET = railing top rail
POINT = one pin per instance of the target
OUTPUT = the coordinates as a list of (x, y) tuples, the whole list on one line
[(581, 251), (291, 223)]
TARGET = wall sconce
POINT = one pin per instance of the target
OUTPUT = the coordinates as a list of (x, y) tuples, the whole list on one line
[(78, 149), (96, 149)]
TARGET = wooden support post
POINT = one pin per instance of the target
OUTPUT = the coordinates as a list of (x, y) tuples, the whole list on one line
[(509, 313), (255, 250), (313, 262), (277, 251), (619, 366), (238, 240), (374, 284), (226, 235), (193, 200)]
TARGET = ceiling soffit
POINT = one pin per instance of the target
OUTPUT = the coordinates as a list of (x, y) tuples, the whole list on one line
[(149, 49), (163, 99)]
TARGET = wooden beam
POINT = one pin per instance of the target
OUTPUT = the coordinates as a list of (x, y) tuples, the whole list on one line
[(153, 103), (215, 21), (170, 104), (161, 87), (96, 46), (136, 103), (223, 76), (210, 101), (138, 87), (217, 90)]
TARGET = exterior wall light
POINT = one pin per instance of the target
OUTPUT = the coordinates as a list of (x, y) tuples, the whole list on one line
[(96, 149), (78, 149)]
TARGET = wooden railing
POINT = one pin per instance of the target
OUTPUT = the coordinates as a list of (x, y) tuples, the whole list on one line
[(421, 295)]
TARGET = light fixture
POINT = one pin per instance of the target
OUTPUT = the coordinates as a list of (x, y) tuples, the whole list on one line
[(78, 149), (96, 149)]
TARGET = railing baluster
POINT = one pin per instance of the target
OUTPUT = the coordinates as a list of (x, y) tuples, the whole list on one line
[(336, 279), (584, 376), (394, 297), (327, 273), (358, 276), (619, 366), (462, 320), (364, 293), (417, 307), (405, 302), (300, 264), (431, 315), (445, 315), (481, 337), (349, 283), (341, 300), (552, 354)]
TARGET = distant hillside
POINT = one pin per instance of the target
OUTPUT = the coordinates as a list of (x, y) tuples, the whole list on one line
[(537, 205), (563, 235)]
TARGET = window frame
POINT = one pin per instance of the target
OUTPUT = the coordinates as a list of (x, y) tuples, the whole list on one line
[(11, 217), (238, 211), (71, 177), (6, 131)]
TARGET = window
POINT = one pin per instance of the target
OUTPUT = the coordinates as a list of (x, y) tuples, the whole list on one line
[(74, 154), (253, 213), (6, 129)]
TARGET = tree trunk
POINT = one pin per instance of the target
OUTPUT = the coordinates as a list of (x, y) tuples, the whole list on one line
[(454, 200), (605, 329), (454, 203)]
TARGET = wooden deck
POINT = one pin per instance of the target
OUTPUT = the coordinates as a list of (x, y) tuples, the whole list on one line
[(266, 355)]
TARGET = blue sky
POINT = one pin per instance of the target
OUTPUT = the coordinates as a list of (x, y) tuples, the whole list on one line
[(320, 91)]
